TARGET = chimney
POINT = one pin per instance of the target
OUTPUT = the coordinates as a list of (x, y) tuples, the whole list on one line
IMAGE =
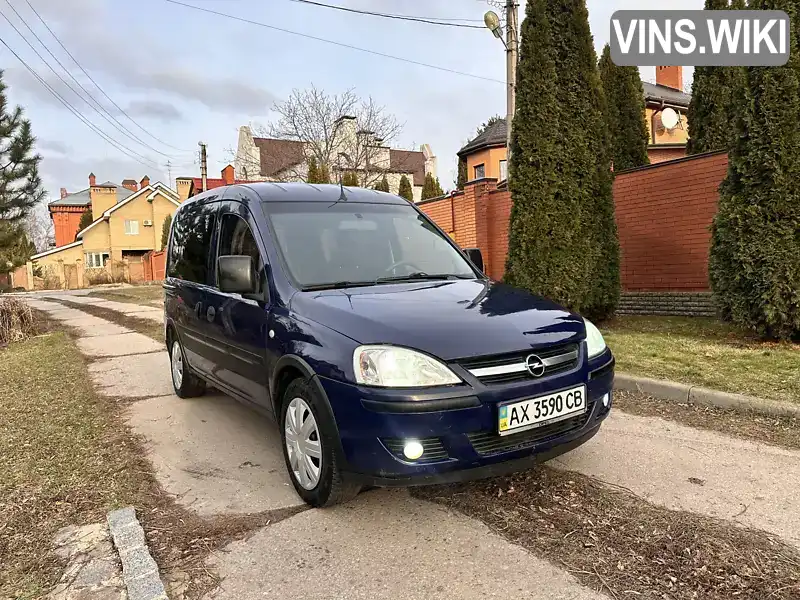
[(144, 182), (227, 175), (130, 184), (671, 77), (63, 193), (92, 180)]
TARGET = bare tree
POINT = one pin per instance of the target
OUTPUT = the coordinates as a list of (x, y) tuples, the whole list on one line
[(39, 227), (340, 131)]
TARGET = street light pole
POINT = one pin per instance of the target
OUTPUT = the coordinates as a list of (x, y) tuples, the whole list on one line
[(511, 67)]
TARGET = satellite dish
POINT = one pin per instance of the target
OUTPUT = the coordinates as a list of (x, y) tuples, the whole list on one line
[(669, 118)]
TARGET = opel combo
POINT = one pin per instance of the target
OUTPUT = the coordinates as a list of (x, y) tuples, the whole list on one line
[(381, 349)]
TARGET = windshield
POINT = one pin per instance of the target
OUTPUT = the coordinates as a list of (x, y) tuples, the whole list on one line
[(351, 243)]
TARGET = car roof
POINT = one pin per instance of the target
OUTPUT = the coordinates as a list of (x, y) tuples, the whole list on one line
[(307, 192)]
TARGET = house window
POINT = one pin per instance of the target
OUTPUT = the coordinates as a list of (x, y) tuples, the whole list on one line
[(480, 172), (95, 260), (131, 227), (503, 170)]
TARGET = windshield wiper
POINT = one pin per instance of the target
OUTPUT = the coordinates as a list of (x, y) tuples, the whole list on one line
[(335, 285), (420, 276)]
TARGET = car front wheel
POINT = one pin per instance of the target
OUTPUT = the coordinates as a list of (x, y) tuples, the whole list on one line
[(310, 448), (185, 383)]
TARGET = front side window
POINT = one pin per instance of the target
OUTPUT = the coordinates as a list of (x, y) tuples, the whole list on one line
[(480, 172), (236, 238), (347, 243), (131, 227), (190, 253)]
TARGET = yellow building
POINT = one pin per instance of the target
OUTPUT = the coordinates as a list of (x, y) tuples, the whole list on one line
[(111, 248), (486, 154)]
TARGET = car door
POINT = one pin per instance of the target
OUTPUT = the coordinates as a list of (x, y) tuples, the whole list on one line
[(189, 272), (239, 324)]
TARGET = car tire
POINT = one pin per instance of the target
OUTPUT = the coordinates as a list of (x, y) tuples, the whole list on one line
[(327, 486), (185, 383)]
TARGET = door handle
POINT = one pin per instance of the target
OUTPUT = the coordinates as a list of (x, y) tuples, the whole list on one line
[(210, 314), (198, 309)]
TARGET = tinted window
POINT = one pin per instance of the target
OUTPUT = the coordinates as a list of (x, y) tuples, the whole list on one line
[(190, 251), (323, 244)]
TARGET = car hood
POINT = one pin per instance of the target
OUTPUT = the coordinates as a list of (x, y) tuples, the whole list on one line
[(448, 319)]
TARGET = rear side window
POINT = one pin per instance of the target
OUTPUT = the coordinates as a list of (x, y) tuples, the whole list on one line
[(190, 252)]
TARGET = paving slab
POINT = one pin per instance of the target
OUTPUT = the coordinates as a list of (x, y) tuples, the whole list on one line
[(91, 300), (732, 478), (214, 454), (91, 326), (139, 376), (125, 307), (386, 545), (151, 315), (118, 345)]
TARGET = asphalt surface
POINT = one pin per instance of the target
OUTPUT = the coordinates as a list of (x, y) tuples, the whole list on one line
[(219, 458)]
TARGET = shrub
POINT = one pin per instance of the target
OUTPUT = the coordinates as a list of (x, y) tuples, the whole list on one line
[(16, 320), (406, 191)]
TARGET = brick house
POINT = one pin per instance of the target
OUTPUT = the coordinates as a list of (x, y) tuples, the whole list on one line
[(486, 154), (270, 159), (191, 186), (127, 226)]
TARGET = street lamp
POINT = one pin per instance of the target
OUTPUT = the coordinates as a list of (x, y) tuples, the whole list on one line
[(492, 22)]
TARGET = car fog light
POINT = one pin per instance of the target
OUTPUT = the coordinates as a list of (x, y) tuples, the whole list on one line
[(606, 399), (413, 449)]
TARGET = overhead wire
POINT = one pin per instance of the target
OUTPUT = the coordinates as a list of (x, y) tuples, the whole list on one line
[(87, 96), (340, 44), (428, 20), (98, 86), (119, 146)]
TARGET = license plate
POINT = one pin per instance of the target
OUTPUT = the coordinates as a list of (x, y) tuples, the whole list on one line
[(537, 412)]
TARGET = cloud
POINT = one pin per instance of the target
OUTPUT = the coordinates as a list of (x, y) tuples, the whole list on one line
[(155, 109), (53, 146)]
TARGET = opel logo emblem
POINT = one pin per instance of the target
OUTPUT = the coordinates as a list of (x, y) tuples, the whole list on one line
[(535, 365)]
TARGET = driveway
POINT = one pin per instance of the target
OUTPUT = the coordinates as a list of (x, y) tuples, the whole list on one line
[(219, 458)]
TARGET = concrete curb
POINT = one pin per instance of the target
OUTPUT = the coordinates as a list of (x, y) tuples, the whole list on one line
[(139, 570), (692, 394)]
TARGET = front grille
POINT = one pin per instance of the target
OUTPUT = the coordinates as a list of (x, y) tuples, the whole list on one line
[(433, 449), (487, 443), (564, 358)]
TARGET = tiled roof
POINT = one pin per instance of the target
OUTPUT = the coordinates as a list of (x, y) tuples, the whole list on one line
[(495, 135), (278, 155), (408, 161), (211, 183), (661, 93)]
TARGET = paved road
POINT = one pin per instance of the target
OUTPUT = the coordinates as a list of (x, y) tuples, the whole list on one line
[(218, 458)]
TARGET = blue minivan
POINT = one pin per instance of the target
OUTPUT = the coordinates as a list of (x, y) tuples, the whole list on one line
[(384, 353)]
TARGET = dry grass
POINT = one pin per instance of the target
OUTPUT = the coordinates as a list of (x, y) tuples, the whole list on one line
[(144, 294), (147, 327), (619, 544), (16, 321), (778, 431), (707, 353), (67, 457)]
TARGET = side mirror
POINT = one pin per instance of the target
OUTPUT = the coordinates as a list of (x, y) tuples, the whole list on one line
[(474, 254), (236, 274)]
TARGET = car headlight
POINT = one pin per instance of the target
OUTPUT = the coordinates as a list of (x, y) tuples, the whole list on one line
[(595, 343), (391, 366)]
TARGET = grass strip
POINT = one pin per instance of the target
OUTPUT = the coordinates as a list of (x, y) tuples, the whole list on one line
[(144, 295), (147, 327)]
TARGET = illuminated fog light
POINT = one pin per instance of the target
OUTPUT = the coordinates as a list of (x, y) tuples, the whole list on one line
[(413, 449), (606, 399)]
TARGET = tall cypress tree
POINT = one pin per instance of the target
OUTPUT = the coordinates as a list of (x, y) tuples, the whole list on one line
[(20, 185), (625, 113), (560, 176), (754, 262), (382, 185), (712, 110), (431, 188), (461, 178), (313, 171), (350, 178), (405, 190), (86, 219)]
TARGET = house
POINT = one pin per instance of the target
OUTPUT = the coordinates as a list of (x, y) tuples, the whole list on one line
[(270, 159), (191, 186), (127, 225), (486, 154)]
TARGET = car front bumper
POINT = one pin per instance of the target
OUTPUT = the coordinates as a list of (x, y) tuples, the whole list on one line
[(461, 425)]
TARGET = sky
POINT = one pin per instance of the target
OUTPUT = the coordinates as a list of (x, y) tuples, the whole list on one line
[(185, 76)]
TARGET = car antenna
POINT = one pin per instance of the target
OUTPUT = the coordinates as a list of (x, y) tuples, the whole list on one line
[(342, 195)]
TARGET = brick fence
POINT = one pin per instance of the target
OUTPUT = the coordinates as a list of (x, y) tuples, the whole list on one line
[(664, 212)]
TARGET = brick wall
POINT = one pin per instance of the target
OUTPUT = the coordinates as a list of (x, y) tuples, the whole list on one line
[(663, 214), (663, 211)]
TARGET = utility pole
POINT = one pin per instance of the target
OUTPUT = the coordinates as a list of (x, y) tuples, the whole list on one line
[(169, 172), (512, 46), (204, 165)]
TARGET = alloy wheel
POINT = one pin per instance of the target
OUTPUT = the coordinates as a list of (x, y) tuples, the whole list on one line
[(177, 365), (303, 443)]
